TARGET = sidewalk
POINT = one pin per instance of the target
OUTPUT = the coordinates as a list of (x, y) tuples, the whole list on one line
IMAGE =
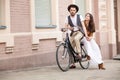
[(53, 73)]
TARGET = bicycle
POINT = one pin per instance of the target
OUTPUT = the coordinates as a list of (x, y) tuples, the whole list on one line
[(63, 52)]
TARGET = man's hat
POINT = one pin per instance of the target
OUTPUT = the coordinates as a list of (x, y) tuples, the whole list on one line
[(74, 6)]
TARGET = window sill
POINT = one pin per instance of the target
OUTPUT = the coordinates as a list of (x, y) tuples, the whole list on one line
[(3, 27), (43, 27)]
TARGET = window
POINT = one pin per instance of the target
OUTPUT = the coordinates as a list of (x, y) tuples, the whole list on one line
[(81, 5), (43, 13), (2, 16)]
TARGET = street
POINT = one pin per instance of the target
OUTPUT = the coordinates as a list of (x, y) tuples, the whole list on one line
[(112, 72)]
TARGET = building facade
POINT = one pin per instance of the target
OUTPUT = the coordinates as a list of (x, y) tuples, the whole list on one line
[(30, 29)]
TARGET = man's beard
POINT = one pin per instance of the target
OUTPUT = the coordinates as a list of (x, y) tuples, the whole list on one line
[(72, 14)]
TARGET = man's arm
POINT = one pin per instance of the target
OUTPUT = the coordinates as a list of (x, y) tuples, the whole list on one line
[(68, 27)]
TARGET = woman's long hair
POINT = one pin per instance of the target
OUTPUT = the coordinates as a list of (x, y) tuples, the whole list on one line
[(91, 25)]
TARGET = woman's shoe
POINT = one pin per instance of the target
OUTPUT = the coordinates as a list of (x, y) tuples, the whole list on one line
[(88, 57), (101, 66)]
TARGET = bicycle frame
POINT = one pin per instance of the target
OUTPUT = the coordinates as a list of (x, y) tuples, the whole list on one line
[(70, 49)]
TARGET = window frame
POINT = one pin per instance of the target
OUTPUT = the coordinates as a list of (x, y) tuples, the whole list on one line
[(51, 20)]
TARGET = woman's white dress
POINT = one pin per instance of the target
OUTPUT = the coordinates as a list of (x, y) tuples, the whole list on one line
[(93, 51)]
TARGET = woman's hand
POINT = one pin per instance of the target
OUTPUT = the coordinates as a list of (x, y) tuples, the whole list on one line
[(88, 38)]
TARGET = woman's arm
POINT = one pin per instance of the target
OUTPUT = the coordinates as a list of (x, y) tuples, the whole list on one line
[(85, 31), (90, 35)]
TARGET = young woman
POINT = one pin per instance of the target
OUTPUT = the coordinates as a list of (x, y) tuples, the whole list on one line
[(91, 45)]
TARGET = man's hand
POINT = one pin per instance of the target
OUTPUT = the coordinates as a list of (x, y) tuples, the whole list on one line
[(71, 28), (63, 29)]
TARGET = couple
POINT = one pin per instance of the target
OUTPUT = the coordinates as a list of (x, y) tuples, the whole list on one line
[(79, 27)]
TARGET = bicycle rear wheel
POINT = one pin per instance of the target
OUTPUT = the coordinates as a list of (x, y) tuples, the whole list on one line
[(84, 63), (62, 57)]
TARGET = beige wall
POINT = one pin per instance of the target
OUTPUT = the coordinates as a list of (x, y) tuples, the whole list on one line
[(107, 28), (5, 36), (30, 46), (20, 16)]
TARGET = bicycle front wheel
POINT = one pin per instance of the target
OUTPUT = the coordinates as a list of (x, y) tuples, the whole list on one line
[(62, 57)]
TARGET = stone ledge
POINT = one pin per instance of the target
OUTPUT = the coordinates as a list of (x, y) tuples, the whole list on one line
[(3, 27)]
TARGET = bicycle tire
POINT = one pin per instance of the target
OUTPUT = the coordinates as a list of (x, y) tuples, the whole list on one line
[(62, 55), (84, 63)]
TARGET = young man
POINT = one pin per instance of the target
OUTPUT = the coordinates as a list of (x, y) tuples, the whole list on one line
[(75, 23)]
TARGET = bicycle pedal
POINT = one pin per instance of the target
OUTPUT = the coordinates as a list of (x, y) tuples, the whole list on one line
[(76, 59), (83, 56)]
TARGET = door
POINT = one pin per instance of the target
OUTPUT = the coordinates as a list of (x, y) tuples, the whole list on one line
[(117, 23)]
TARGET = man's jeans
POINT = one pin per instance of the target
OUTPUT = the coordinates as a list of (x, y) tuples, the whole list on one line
[(75, 43)]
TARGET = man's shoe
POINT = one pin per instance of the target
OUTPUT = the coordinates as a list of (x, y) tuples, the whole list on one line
[(72, 66)]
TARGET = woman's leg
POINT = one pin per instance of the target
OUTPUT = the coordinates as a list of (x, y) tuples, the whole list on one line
[(96, 50), (87, 45), (91, 52), (97, 53)]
